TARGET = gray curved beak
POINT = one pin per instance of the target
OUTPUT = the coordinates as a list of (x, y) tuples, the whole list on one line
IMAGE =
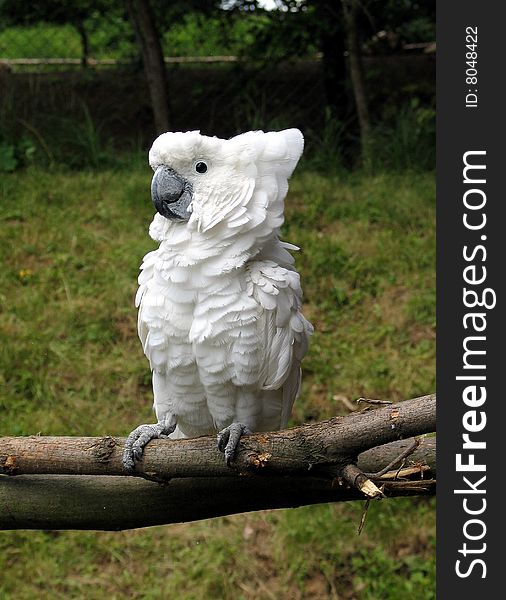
[(171, 194)]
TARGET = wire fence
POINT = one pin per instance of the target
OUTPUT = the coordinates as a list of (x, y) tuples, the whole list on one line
[(66, 91)]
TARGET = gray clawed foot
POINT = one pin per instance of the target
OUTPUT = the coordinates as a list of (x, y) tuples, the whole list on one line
[(228, 439), (140, 436)]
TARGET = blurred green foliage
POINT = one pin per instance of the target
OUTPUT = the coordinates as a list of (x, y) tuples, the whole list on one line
[(82, 133), (55, 28)]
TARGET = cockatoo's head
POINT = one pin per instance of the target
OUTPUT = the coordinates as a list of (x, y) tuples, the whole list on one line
[(201, 182)]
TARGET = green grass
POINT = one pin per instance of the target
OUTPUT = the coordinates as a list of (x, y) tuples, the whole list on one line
[(70, 363)]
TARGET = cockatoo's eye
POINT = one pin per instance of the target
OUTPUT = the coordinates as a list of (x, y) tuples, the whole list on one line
[(201, 167)]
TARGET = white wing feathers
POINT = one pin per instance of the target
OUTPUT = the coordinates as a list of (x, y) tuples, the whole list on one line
[(285, 332)]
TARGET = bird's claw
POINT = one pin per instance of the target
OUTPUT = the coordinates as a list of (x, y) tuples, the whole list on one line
[(142, 435), (228, 439)]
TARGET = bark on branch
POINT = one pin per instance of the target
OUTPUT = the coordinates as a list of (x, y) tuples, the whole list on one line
[(312, 447), (325, 462)]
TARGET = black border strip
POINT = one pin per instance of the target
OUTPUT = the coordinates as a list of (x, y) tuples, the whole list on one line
[(471, 265)]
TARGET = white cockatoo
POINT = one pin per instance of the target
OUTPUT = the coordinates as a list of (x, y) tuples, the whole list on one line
[(219, 300)]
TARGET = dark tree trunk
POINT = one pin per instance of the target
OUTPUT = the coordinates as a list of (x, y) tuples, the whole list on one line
[(148, 39), (333, 60), (85, 46), (350, 9)]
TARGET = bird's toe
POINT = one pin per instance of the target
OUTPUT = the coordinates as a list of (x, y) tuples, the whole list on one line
[(228, 439), (140, 437)]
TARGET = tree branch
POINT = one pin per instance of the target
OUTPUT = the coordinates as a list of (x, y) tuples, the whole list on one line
[(78, 483), (312, 447), (115, 503)]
